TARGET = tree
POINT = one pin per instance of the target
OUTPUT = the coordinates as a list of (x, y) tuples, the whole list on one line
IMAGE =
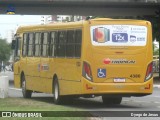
[(155, 20), (156, 27), (155, 50), (5, 50)]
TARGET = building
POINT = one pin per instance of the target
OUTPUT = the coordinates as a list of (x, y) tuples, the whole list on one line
[(9, 35), (61, 18)]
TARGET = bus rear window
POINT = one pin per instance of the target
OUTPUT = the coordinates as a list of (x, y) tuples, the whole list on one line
[(118, 35)]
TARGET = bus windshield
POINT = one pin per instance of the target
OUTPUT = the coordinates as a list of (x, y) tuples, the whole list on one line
[(118, 35)]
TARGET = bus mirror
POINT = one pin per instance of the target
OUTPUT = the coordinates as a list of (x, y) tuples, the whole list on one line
[(13, 44), (16, 59)]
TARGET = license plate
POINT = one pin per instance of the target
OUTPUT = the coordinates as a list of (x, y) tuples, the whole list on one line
[(119, 80)]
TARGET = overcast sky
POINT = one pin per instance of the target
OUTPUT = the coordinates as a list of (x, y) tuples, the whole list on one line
[(11, 22)]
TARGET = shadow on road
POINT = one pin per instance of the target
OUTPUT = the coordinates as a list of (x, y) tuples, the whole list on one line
[(43, 99), (87, 104)]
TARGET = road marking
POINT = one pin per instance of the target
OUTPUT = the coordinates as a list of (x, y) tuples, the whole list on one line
[(157, 96), (156, 102), (141, 101), (15, 89), (156, 86)]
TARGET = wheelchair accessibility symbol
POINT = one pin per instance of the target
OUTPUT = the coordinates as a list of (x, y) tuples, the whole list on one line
[(101, 73)]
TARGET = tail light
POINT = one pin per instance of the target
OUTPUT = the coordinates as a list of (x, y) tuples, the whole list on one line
[(149, 72), (87, 71)]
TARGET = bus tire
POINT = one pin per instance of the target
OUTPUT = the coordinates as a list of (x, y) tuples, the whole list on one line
[(111, 100), (26, 93), (56, 92)]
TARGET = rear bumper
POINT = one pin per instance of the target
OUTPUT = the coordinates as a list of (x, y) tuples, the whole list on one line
[(122, 89)]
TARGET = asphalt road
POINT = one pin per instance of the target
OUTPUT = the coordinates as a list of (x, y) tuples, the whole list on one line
[(97, 108), (146, 103)]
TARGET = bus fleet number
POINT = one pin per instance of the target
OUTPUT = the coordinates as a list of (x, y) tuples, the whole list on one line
[(135, 75)]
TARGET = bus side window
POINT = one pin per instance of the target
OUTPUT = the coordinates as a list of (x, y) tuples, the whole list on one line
[(45, 44), (41, 44), (25, 42), (37, 44), (53, 41), (61, 46), (78, 43), (70, 47), (30, 44)]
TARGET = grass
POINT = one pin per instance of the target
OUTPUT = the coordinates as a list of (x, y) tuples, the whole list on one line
[(47, 118), (36, 104), (29, 104)]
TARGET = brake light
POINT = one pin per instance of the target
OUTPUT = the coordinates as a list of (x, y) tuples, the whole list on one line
[(87, 71), (149, 72)]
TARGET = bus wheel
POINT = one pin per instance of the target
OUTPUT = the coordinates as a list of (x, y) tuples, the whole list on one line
[(26, 93), (111, 100), (56, 92)]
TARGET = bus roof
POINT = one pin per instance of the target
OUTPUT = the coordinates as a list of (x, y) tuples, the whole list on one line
[(45, 27), (49, 26)]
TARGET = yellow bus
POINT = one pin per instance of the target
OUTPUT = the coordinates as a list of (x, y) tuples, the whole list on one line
[(104, 57)]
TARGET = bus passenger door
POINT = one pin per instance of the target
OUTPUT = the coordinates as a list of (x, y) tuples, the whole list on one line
[(17, 47)]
